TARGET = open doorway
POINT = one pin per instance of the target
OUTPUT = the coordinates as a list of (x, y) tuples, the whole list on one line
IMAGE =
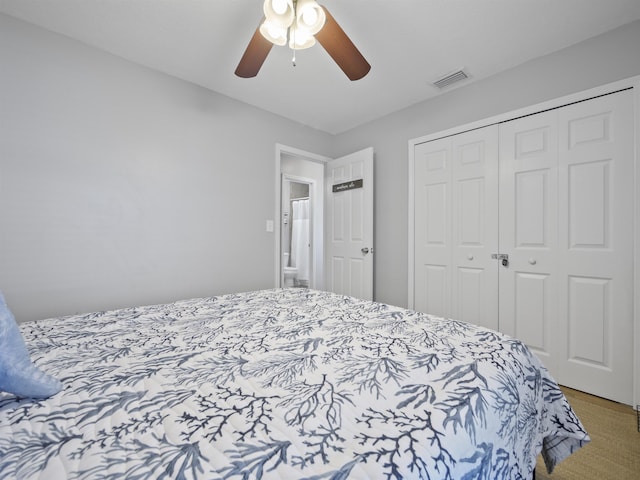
[(293, 167), (296, 234), (342, 190)]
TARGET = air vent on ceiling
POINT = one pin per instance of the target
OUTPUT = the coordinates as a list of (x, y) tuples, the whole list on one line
[(450, 79)]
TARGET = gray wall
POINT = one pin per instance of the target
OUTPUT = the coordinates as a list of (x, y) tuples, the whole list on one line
[(121, 186), (603, 59)]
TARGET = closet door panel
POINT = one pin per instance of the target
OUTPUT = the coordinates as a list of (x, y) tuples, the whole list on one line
[(532, 291), (566, 190), (596, 246), (475, 226), (432, 187), (528, 232), (531, 191)]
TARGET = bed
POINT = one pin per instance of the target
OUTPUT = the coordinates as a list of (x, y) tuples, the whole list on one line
[(282, 384)]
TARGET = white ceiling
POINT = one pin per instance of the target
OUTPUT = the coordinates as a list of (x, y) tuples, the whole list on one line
[(409, 44)]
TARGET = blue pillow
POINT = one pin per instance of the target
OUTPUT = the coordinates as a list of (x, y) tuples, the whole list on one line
[(18, 375)]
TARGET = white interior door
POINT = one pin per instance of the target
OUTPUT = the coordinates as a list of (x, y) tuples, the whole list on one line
[(596, 175), (349, 224), (456, 226), (433, 232), (566, 222), (528, 289), (475, 226)]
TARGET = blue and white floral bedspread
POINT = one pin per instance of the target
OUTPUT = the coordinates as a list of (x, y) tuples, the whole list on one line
[(282, 384)]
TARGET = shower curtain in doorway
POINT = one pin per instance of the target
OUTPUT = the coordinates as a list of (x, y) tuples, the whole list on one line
[(300, 248)]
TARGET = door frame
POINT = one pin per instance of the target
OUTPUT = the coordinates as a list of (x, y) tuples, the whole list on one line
[(629, 83), (318, 247)]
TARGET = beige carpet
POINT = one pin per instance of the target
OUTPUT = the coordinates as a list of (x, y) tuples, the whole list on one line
[(614, 451)]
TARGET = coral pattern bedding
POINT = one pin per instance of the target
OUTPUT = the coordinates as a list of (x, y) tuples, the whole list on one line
[(282, 384)]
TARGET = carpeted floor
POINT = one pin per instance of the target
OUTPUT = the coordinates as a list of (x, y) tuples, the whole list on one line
[(614, 451)]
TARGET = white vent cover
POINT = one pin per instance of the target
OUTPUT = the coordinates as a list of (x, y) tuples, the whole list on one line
[(450, 79)]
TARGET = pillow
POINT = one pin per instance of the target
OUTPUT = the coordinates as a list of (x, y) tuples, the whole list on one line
[(18, 375)]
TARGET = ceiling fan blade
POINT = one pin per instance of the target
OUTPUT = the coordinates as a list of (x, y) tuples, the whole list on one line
[(254, 56), (341, 48)]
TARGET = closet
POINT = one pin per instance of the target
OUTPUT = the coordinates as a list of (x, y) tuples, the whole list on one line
[(526, 226)]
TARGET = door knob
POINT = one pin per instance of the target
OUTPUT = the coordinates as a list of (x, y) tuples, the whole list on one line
[(364, 250)]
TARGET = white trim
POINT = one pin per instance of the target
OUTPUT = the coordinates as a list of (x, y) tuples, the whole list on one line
[(411, 226), (633, 82), (279, 152), (636, 247)]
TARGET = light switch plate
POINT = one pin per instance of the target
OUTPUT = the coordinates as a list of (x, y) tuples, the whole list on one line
[(269, 226)]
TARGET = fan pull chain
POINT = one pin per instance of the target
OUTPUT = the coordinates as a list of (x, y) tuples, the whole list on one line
[(293, 30)]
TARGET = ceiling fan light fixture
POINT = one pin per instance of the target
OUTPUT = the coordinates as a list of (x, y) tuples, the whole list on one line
[(280, 6), (275, 34), (295, 20), (310, 15), (300, 24), (300, 38), (279, 13)]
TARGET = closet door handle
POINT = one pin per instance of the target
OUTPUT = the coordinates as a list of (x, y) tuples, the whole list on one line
[(364, 250), (503, 257)]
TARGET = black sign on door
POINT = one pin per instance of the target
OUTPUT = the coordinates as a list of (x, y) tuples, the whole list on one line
[(341, 187)]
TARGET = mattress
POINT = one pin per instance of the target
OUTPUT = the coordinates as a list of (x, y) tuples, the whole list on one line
[(283, 384)]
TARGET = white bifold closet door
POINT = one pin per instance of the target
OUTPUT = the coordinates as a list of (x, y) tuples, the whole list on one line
[(595, 292), (529, 213), (456, 225), (566, 220), (564, 215)]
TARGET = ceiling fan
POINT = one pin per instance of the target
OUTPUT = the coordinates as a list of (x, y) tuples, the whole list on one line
[(300, 23)]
